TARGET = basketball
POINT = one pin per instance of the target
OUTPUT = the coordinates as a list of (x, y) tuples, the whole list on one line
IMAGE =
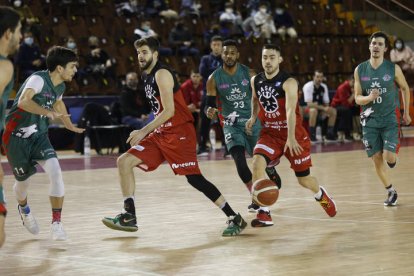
[(265, 192)]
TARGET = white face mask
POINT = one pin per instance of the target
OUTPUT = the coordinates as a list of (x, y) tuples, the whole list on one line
[(279, 11), (71, 45), (398, 45), (229, 10), (263, 10), (28, 40), (17, 3)]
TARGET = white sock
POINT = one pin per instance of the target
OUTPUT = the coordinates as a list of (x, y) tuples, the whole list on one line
[(266, 209), (318, 195)]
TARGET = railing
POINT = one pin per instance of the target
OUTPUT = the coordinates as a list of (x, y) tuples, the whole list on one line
[(391, 14)]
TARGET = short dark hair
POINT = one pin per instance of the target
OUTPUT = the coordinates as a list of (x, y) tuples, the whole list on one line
[(230, 42), (216, 38), (58, 55), (380, 34), (195, 70), (9, 19), (272, 47), (151, 42)]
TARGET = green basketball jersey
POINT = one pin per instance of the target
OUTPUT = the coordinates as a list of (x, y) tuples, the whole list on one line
[(384, 109), (234, 92), (4, 98), (25, 124)]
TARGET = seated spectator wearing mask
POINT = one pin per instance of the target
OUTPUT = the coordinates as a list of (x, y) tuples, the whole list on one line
[(403, 55), (29, 58)]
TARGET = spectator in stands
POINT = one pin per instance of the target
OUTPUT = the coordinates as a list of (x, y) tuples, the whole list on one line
[(29, 58), (71, 44), (135, 109), (344, 103), (261, 23), (403, 55), (127, 8), (208, 64), (181, 40), (29, 21), (231, 20), (284, 22), (192, 90), (190, 8), (145, 31), (153, 8), (98, 62), (316, 96)]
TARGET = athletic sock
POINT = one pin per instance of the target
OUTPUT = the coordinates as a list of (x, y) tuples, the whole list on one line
[(228, 210), (129, 205), (318, 195), (390, 188), (56, 214), (25, 209)]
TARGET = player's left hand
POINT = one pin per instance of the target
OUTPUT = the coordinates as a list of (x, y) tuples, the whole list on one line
[(135, 137), (406, 118), (293, 146)]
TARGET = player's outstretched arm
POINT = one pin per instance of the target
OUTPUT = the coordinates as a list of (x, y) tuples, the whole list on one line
[(405, 92)]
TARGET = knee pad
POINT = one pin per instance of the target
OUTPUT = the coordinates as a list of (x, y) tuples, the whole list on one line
[(20, 189), (243, 170), (52, 168)]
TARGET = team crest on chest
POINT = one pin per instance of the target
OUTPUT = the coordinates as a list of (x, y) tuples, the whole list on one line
[(267, 98)]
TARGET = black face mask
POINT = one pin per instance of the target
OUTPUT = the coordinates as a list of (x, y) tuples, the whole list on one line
[(92, 47)]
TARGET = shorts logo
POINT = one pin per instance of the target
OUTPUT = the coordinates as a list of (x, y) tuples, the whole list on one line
[(302, 160), (183, 165)]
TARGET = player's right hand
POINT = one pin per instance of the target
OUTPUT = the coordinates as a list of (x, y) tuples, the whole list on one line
[(211, 112), (374, 94), (55, 115)]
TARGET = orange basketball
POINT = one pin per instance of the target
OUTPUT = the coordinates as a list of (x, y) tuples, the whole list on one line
[(265, 192)]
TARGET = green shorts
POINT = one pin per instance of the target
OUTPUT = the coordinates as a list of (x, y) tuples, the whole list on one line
[(23, 154), (379, 139), (236, 135)]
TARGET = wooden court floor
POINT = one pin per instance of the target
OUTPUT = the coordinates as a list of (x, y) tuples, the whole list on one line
[(180, 230)]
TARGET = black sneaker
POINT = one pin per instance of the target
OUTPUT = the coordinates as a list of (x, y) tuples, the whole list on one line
[(123, 222), (391, 199), (253, 207), (274, 176), (202, 152)]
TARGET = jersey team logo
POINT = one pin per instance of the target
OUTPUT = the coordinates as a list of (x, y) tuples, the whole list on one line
[(150, 94), (267, 99), (386, 77)]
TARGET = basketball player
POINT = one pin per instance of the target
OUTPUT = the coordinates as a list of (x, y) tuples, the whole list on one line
[(275, 103), (377, 94), (170, 136), (26, 135), (10, 36), (231, 82)]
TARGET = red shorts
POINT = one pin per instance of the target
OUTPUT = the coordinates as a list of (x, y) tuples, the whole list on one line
[(176, 146), (272, 147)]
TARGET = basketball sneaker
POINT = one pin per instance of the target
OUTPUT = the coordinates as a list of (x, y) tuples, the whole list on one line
[(3, 209), (327, 203), (123, 222), (236, 224), (391, 199), (29, 221), (57, 232), (274, 176), (263, 219), (253, 207)]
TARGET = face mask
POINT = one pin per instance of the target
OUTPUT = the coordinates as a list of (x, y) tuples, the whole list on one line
[(229, 10), (132, 84), (17, 4), (71, 45), (398, 45), (279, 11), (28, 40), (146, 28), (263, 10)]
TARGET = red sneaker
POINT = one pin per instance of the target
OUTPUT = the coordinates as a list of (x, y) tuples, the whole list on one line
[(3, 209), (327, 203), (262, 219)]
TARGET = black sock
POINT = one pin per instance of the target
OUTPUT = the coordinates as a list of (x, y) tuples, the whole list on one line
[(389, 187), (391, 165), (129, 206), (228, 210)]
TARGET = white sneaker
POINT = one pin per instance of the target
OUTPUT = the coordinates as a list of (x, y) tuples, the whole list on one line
[(29, 221), (57, 232)]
